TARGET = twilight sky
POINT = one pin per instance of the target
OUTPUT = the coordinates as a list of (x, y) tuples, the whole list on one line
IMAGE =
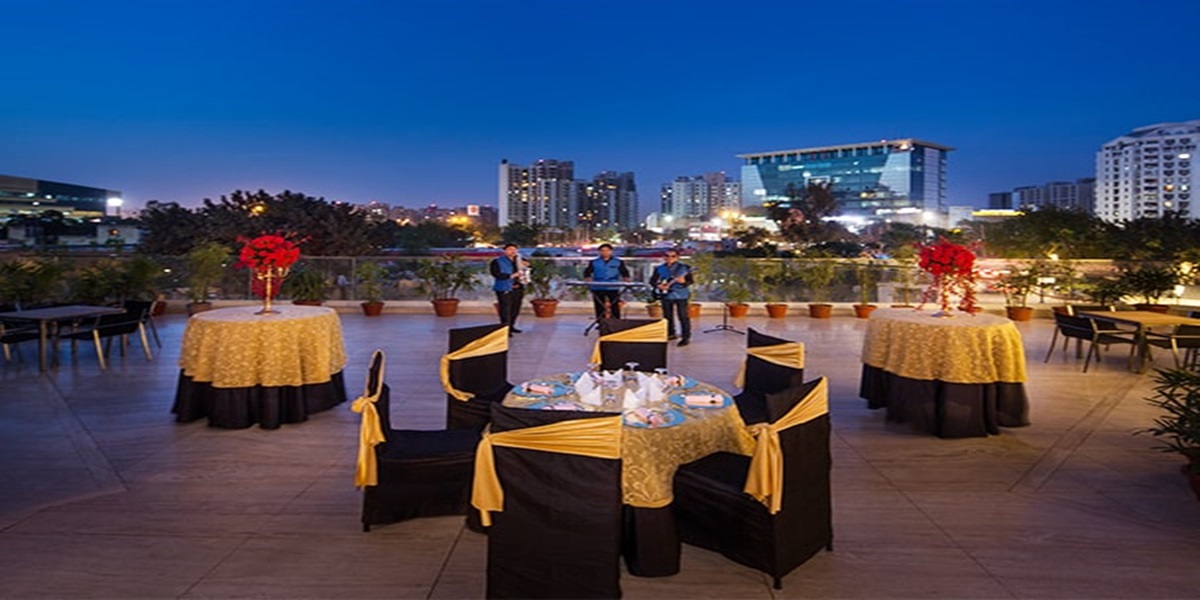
[(416, 102)]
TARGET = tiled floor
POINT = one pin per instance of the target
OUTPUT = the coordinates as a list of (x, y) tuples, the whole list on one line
[(103, 494)]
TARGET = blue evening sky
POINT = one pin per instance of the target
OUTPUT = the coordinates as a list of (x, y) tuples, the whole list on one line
[(417, 102)]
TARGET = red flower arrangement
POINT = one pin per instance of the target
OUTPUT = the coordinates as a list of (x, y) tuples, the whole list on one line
[(953, 269), (268, 252)]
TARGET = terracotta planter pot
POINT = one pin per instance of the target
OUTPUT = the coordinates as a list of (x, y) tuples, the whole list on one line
[(445, 307), (694, 310), (863, 311), (1158, 308), (198, 307), (820, 311), (544, 307), (777, 310), (1019, 313), (654, 311), (372, 309), (1062, 310), (737, 310), (159, 308)]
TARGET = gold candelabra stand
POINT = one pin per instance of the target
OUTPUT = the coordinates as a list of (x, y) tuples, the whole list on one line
[(269, 276)]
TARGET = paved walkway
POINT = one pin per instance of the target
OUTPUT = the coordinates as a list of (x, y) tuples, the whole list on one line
[(103, 494)]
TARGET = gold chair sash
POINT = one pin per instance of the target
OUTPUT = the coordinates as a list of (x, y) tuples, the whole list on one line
[(650, 332), (597, 438), (370, 430), (496, 341), (789, 354), (765, 479)]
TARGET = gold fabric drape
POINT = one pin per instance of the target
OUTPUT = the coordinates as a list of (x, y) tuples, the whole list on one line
[(235, 348), (370, 430), (496, 341), (650, 332), (789, 354), (962, 349), (597, 438), (765, 479)]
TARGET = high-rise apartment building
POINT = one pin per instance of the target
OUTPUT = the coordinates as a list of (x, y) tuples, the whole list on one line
[(1149, 173), (701, 196), (1078, 195), (608, 200), (542, 193), (869, 179)]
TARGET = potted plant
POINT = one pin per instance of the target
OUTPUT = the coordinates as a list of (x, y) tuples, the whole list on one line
[(732, 274), (307, 287), (370, 279), (542, 272), (1105, 292), (654, 308), (867, 274), (32, 282), (771, 277), (817, 274), (905, 260), (1150, 282), (1016, 286), (1177, 393), (442, 279), (205, 266)]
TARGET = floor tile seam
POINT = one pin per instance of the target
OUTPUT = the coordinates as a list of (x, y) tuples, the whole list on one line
[(1073, 438), (217, 564), (446, 562), (961, 548)]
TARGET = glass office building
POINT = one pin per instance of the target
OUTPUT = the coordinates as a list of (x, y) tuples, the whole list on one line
[(874, 179), (24, 196)]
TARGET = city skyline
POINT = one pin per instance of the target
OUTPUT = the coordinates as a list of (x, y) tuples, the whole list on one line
[(370, 100)]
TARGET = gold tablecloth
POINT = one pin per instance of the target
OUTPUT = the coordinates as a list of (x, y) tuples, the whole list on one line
[(959, 349), (650, 457), (234, 348)]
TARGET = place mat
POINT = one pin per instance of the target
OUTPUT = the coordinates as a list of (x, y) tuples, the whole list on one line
[(557, 405), (648, 418), (719, 400), (555, 388)]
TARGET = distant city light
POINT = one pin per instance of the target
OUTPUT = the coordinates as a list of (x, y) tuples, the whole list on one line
[(115, 202)]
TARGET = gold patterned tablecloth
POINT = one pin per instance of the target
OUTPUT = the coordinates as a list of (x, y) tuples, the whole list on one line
[(650, 457), (959, 349), (234, 348)]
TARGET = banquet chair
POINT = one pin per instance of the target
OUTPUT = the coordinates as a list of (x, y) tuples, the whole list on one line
[(475, 374), (107, 327), (772, 365), (416, 473), (555, 532), (13, 333), (643, 341), (1084, 329), (144, 309), (1186, 337), (780, 526)]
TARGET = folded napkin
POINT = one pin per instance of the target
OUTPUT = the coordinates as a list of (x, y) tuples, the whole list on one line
[(584, 386), (654, 392), (703, 400), (643, 380), (594, 397), (631, 400)]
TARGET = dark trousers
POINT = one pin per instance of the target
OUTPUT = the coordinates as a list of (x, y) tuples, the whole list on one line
[(613, 297), (510, 306), (673, 308)]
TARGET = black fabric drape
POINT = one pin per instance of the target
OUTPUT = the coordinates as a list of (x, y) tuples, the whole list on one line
[(650, 541), (269, 407), (949, 410), (614, 355), (559, 535), (762, 378), (484, 376)]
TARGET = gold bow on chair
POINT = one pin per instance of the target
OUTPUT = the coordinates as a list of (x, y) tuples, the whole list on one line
[(650, 332), (370, 430), (496, 341), (765, 479), (788, 354), (598, 438)]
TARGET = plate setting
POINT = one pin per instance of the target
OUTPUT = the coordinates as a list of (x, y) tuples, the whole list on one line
[(541, 389), (701, 400)]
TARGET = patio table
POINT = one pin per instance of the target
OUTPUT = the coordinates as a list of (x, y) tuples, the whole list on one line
[(49, 318)]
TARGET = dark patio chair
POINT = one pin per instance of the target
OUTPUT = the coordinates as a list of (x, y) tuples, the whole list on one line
[(475, 374), (1084, 329), (1186, 337), (643, 341), (772, 365)]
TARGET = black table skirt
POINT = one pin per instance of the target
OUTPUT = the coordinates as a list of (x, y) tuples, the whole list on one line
[(649, 541), (268, 407), (949, 410)]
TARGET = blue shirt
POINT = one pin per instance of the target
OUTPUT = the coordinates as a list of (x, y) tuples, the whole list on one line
[(664, 272)]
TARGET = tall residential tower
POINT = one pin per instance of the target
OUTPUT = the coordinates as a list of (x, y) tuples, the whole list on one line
[(1148, 173)]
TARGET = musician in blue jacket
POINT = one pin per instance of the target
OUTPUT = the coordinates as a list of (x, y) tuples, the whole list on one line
[(670, 282), (509, 285), (606, 268)]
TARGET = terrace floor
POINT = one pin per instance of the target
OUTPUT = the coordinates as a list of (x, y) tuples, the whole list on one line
[(102, 494)]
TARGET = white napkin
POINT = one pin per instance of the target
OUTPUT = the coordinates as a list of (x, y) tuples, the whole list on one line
[(592, 397), (654, 392), (631, 400), (584, 386), (643, 380)]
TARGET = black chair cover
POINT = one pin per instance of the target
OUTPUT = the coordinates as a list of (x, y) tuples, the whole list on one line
[(713, 512), (484, 376), (421, 473), (614, 355), (559, 535), (762, 378)]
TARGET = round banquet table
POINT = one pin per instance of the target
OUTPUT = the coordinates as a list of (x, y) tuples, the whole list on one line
[(239, 368), (649, 459), (960, 376)]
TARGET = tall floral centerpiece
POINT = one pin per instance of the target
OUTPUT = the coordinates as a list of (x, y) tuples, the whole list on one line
[(269, 257), (952, 267)]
